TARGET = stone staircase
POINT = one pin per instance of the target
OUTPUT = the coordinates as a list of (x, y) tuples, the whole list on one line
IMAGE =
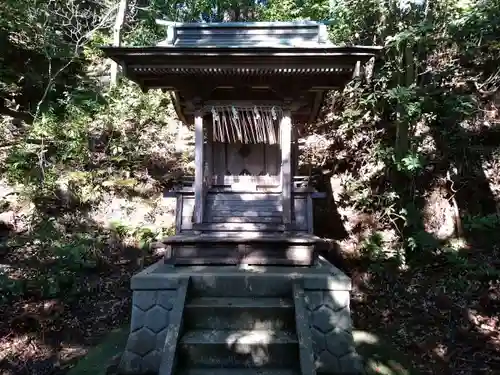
[(234, 335), (250, 320)]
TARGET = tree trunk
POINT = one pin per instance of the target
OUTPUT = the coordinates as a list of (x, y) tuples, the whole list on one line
[(117, 37)]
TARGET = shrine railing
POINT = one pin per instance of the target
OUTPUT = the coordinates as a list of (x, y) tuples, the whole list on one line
[(299, 182), (301, 185)]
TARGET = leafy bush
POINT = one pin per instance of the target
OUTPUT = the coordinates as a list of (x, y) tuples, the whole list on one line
[(482, 223)]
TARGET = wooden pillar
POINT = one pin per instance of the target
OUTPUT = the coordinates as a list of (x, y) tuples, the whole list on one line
[(198, 168), (209, 154), (295, 152), (286, 165)]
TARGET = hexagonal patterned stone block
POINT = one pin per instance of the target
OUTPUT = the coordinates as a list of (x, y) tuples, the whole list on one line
[(336, 299), (351, 363), (322, 319), (151, 362), (166, 298), (144, 299), (318, 340), (156, 318), (141, 341), (137, 319), (342, 320), (130, 363), (160, 339), (327, 362), (314, 299), (339, 342)]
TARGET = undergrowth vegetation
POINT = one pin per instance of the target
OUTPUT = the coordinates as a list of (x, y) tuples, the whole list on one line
[(67, 171), (413, 148)]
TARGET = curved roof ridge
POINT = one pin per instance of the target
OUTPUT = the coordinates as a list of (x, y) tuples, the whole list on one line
[(246, 34)]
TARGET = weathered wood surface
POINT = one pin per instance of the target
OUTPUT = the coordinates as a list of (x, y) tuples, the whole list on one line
[(256, 254), (178, 214), (286, 165), (220, 164), (247, 214), (262, 181), (297, 181), (240, 207), (247, 34), (248, 220), (273, 160), (240, 227), (244, 197), (262, 159), (309, 214), (300, 213), (231, 260), (296, 191), (246, 209), (198, 161), (187, 212), (237, 206), (209, 153), (241, 237), (233, 209)]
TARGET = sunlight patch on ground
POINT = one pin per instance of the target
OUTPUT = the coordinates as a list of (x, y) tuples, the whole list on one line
[(16, 346), (457, 244), (379, 357)]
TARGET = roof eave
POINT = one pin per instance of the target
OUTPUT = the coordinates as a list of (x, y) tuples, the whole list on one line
[(360, 51)]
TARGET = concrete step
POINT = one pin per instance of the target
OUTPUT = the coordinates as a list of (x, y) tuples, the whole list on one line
[(238, 348), (238, 371), (226, 313)]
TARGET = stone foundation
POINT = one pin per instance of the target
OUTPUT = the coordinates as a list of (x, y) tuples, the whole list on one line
[(159, 297), (151, 316), (331, 331)]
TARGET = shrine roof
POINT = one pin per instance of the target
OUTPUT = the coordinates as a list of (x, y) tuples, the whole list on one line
[(216, 41), (243, 61), (299, 34)]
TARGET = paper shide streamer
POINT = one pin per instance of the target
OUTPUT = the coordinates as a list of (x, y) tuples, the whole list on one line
[(255, 124)]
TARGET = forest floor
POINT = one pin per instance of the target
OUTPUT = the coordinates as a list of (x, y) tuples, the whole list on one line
[(47, 336), (444, 320), (440, 319)]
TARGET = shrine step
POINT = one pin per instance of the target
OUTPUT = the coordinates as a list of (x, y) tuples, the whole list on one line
[(238, 371), (238, 349), (244, 208), (241, 313), (243, 198), (273, 253), (238, 248), (245, 219), (240, 227), (241, 237)]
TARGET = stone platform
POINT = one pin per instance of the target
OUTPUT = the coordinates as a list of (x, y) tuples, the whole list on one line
[(240, 320)]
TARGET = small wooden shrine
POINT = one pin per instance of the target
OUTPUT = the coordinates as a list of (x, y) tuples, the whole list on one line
[(241, 287), (247, 88)]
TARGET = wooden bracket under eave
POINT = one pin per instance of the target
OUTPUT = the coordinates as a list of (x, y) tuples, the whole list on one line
[(174, 98), (357, 70), (318, 99)]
